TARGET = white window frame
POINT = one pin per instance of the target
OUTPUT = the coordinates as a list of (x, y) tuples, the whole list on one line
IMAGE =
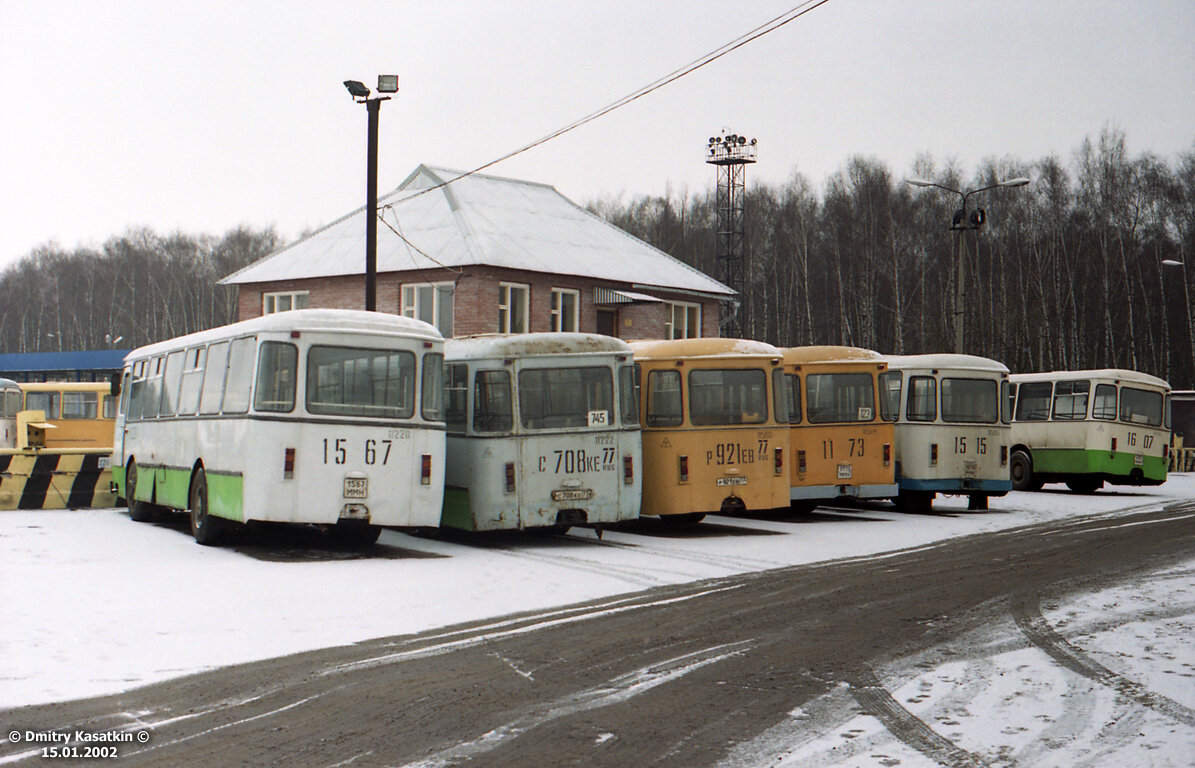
[(410, 308), (558, 315), (505, 315), (269, 301), (687, 330)]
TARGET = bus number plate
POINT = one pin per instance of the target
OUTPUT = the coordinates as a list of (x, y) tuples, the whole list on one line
[(1139, 460), (970, 469), (844, 471), (732, 481), (356, 487), (573, 494)]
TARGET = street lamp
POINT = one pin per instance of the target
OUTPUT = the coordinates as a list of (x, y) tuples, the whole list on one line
[(1186, 303), (360, 93), (961, 222)]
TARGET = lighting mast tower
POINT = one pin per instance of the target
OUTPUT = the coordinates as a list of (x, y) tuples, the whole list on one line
[(731, 153)]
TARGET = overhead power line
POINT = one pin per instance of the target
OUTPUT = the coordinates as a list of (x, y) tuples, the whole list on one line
[(769, 26)]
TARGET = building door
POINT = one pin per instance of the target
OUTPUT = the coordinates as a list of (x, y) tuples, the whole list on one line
[(607, 322)]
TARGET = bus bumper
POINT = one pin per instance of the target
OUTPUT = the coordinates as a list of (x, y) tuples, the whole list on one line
[(957, 485), (814, 492)]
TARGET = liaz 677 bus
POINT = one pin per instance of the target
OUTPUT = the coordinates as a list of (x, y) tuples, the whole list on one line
[(543, 432), (81, 414), (715, 432), (1087, 428), (952, 428), (840, 432), (321, 416)]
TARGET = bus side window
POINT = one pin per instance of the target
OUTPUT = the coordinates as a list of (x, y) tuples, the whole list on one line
[(456, 392), (923, 399), (1005, 402), (50, 402), (890, 384), (171, 379), (188, 398), (793, 384), (213, 379), (1033, 400), (664, 399), (628, 395), (432, 387), (1104, 406), (240, 375), (781, 395), (492, 407), (1070, 400)]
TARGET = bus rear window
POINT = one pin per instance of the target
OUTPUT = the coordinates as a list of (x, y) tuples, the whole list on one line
[(493, 410), (733, 396), (839, 397), (275, 390), (1140, 406), (971, 401), (566, 398), (343, 381)]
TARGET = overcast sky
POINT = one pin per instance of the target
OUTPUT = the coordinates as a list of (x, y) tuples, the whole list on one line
[(201, 116)]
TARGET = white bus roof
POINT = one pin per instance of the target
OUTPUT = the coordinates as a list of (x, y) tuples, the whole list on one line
[(497, 345), (945, 360), (704, 347), (1101, 373), (325, 320)]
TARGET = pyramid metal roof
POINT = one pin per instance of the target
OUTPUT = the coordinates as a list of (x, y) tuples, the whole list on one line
[(478, 219)]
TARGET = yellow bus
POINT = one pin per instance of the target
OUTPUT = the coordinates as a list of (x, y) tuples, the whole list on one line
[(841, 435), (713, 417), (81, 413)]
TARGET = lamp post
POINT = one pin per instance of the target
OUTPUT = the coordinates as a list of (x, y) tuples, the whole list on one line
[(360, 94), (1182, 265), (962, 221)]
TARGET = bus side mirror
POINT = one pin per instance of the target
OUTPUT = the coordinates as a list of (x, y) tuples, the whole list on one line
[(116, 379)]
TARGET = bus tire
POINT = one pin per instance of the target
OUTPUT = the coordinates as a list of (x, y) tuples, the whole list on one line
[(139, 511), (206, 528), (1020, 467), (1084, 485)]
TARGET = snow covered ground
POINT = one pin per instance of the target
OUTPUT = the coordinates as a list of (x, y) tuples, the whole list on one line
[(93, 603)]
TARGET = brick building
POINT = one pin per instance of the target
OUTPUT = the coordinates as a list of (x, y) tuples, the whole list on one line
[(486, 254)]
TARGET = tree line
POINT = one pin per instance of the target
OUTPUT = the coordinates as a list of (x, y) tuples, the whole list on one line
[(1066, 273), (140, 287)]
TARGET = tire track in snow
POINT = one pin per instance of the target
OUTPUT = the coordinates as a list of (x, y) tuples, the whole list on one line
[(1026, 612), (907, 727)]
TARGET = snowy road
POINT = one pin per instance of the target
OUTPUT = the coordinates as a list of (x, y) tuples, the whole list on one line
[(829, 664)]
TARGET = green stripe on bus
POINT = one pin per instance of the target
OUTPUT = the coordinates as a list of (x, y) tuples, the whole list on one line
[(456, 511), (1074, 461), (224, 496)]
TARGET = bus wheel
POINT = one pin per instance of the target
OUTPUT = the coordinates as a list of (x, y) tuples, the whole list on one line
[(139, 511), (355, 535), (1085, 485), (1021, 470), (206, 528)]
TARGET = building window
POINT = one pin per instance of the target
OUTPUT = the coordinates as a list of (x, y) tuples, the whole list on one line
[(512, 307), (565, 307), (281, 302), (431, 303), (682, 321)]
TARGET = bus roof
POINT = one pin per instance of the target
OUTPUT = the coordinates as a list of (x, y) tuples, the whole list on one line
[(705, 347), (329, 320), (829, 354), (1118, 374), (8, 384), (945, 360), (501, 345)]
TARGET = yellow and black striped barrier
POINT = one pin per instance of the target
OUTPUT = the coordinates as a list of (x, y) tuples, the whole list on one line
[(56, 479)]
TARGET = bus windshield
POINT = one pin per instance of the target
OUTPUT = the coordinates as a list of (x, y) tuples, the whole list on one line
[(839, 397), (975, 401), (566, 398), (736, 396), (360, 382)]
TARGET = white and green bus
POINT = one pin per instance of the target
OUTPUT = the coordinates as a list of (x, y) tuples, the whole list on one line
[(317, 416), (1087, 428), (543, 432)]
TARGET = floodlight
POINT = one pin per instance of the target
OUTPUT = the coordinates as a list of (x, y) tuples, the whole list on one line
[(919, 182), (387, 83), (357, 89), (1017, 182)]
